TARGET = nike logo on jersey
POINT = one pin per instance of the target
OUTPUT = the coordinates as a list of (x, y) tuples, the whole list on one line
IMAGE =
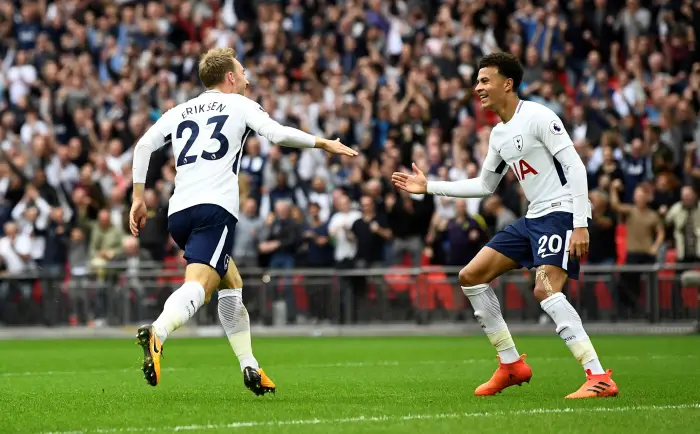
[(548, 254)]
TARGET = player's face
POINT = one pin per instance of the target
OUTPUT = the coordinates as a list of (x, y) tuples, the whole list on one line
[(491, 87), (238, 78)]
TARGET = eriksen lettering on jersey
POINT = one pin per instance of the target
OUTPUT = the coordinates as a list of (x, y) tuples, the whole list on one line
[(203, 108)]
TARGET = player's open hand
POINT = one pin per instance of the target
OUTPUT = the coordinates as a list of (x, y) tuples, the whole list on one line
[(416, 183), (335, 147), (137, 217), (578, 247)]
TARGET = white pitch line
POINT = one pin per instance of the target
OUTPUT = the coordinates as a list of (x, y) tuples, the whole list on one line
[(387, 418), (379, 363)]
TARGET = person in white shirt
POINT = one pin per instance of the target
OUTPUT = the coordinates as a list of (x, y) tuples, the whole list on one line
[(552, 237), (15, 250), (207, 134), (340, 230)]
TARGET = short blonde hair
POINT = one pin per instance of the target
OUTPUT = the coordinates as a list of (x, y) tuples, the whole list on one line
[(214, 65)]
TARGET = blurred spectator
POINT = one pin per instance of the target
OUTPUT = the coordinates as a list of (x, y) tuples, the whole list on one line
[(371, 232), (318, 194), (248, 231), (15, 250), (645, 234), (340, 231), (32, 216), (636, 169), (683, 218), (57, 240), (493, 206), (133, 256), (602, 228), (464, 235), (105, 240), (279, 239), (318, 253), (407, 218), (665, 193), (83, 80), (318, 250)]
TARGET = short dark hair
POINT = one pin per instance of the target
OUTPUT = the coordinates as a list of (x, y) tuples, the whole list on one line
[(507, 64)]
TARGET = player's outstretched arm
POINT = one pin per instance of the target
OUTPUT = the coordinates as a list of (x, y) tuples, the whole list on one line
[(152, 140), (417, 183), (260, 122)]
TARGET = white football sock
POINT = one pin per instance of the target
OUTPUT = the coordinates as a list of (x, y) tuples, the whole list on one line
[(234, 318), (487, 312), (570, 328), (179, 307)]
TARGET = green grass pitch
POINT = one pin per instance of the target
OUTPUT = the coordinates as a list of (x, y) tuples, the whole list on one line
[(345, 385)]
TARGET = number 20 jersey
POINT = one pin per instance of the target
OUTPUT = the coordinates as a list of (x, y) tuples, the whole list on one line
[(528, 145), (207, 134)]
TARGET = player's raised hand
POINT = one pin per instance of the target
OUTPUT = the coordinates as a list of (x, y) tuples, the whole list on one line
[(335, 147), (416, 183), (137, 216), (578, 247)]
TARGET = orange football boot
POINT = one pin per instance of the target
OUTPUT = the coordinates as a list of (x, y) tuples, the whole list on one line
[(505, 376), (152, 352), (596, 386), (257, 381)]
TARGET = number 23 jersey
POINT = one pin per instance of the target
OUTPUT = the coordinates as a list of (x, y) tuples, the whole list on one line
[(207, 135)]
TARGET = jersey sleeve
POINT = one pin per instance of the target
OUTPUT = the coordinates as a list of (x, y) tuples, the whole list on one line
[(493, 161), (152, 140), (259, 121), (549, 129)]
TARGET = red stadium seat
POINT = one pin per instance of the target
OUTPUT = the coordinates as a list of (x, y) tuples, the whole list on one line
[(621, 242)]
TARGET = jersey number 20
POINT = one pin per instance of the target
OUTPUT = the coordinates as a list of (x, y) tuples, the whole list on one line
[(191, 125)]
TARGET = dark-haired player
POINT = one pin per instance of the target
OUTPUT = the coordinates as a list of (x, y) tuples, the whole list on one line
[(552, 237)]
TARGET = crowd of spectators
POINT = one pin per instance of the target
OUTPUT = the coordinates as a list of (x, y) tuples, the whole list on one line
[(81, 80)]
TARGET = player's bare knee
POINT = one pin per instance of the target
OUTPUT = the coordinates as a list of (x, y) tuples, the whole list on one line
[(204, 275), (547, 282), (470, 277), (231, 281)]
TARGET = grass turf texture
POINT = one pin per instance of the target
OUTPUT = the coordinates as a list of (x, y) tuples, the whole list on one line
[(397, 385)]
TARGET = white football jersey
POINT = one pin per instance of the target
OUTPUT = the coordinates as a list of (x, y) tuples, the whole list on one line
[(207, 134), (527, 144)]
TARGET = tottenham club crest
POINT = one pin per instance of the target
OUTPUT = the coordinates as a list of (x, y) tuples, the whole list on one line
[(518, 142)]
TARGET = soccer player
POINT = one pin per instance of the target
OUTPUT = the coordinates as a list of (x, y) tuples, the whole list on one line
[(207, 134), (552, 237)]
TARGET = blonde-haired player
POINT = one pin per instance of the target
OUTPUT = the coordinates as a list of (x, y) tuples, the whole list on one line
[(207, 135)]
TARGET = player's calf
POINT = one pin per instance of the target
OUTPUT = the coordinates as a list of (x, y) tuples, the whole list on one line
[(475, 278), (236, 323), (549, 283)]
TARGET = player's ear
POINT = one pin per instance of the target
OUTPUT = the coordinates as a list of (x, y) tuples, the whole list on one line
[(508, 85)]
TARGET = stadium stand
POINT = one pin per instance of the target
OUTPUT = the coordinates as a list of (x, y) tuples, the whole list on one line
[(81, 80)]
